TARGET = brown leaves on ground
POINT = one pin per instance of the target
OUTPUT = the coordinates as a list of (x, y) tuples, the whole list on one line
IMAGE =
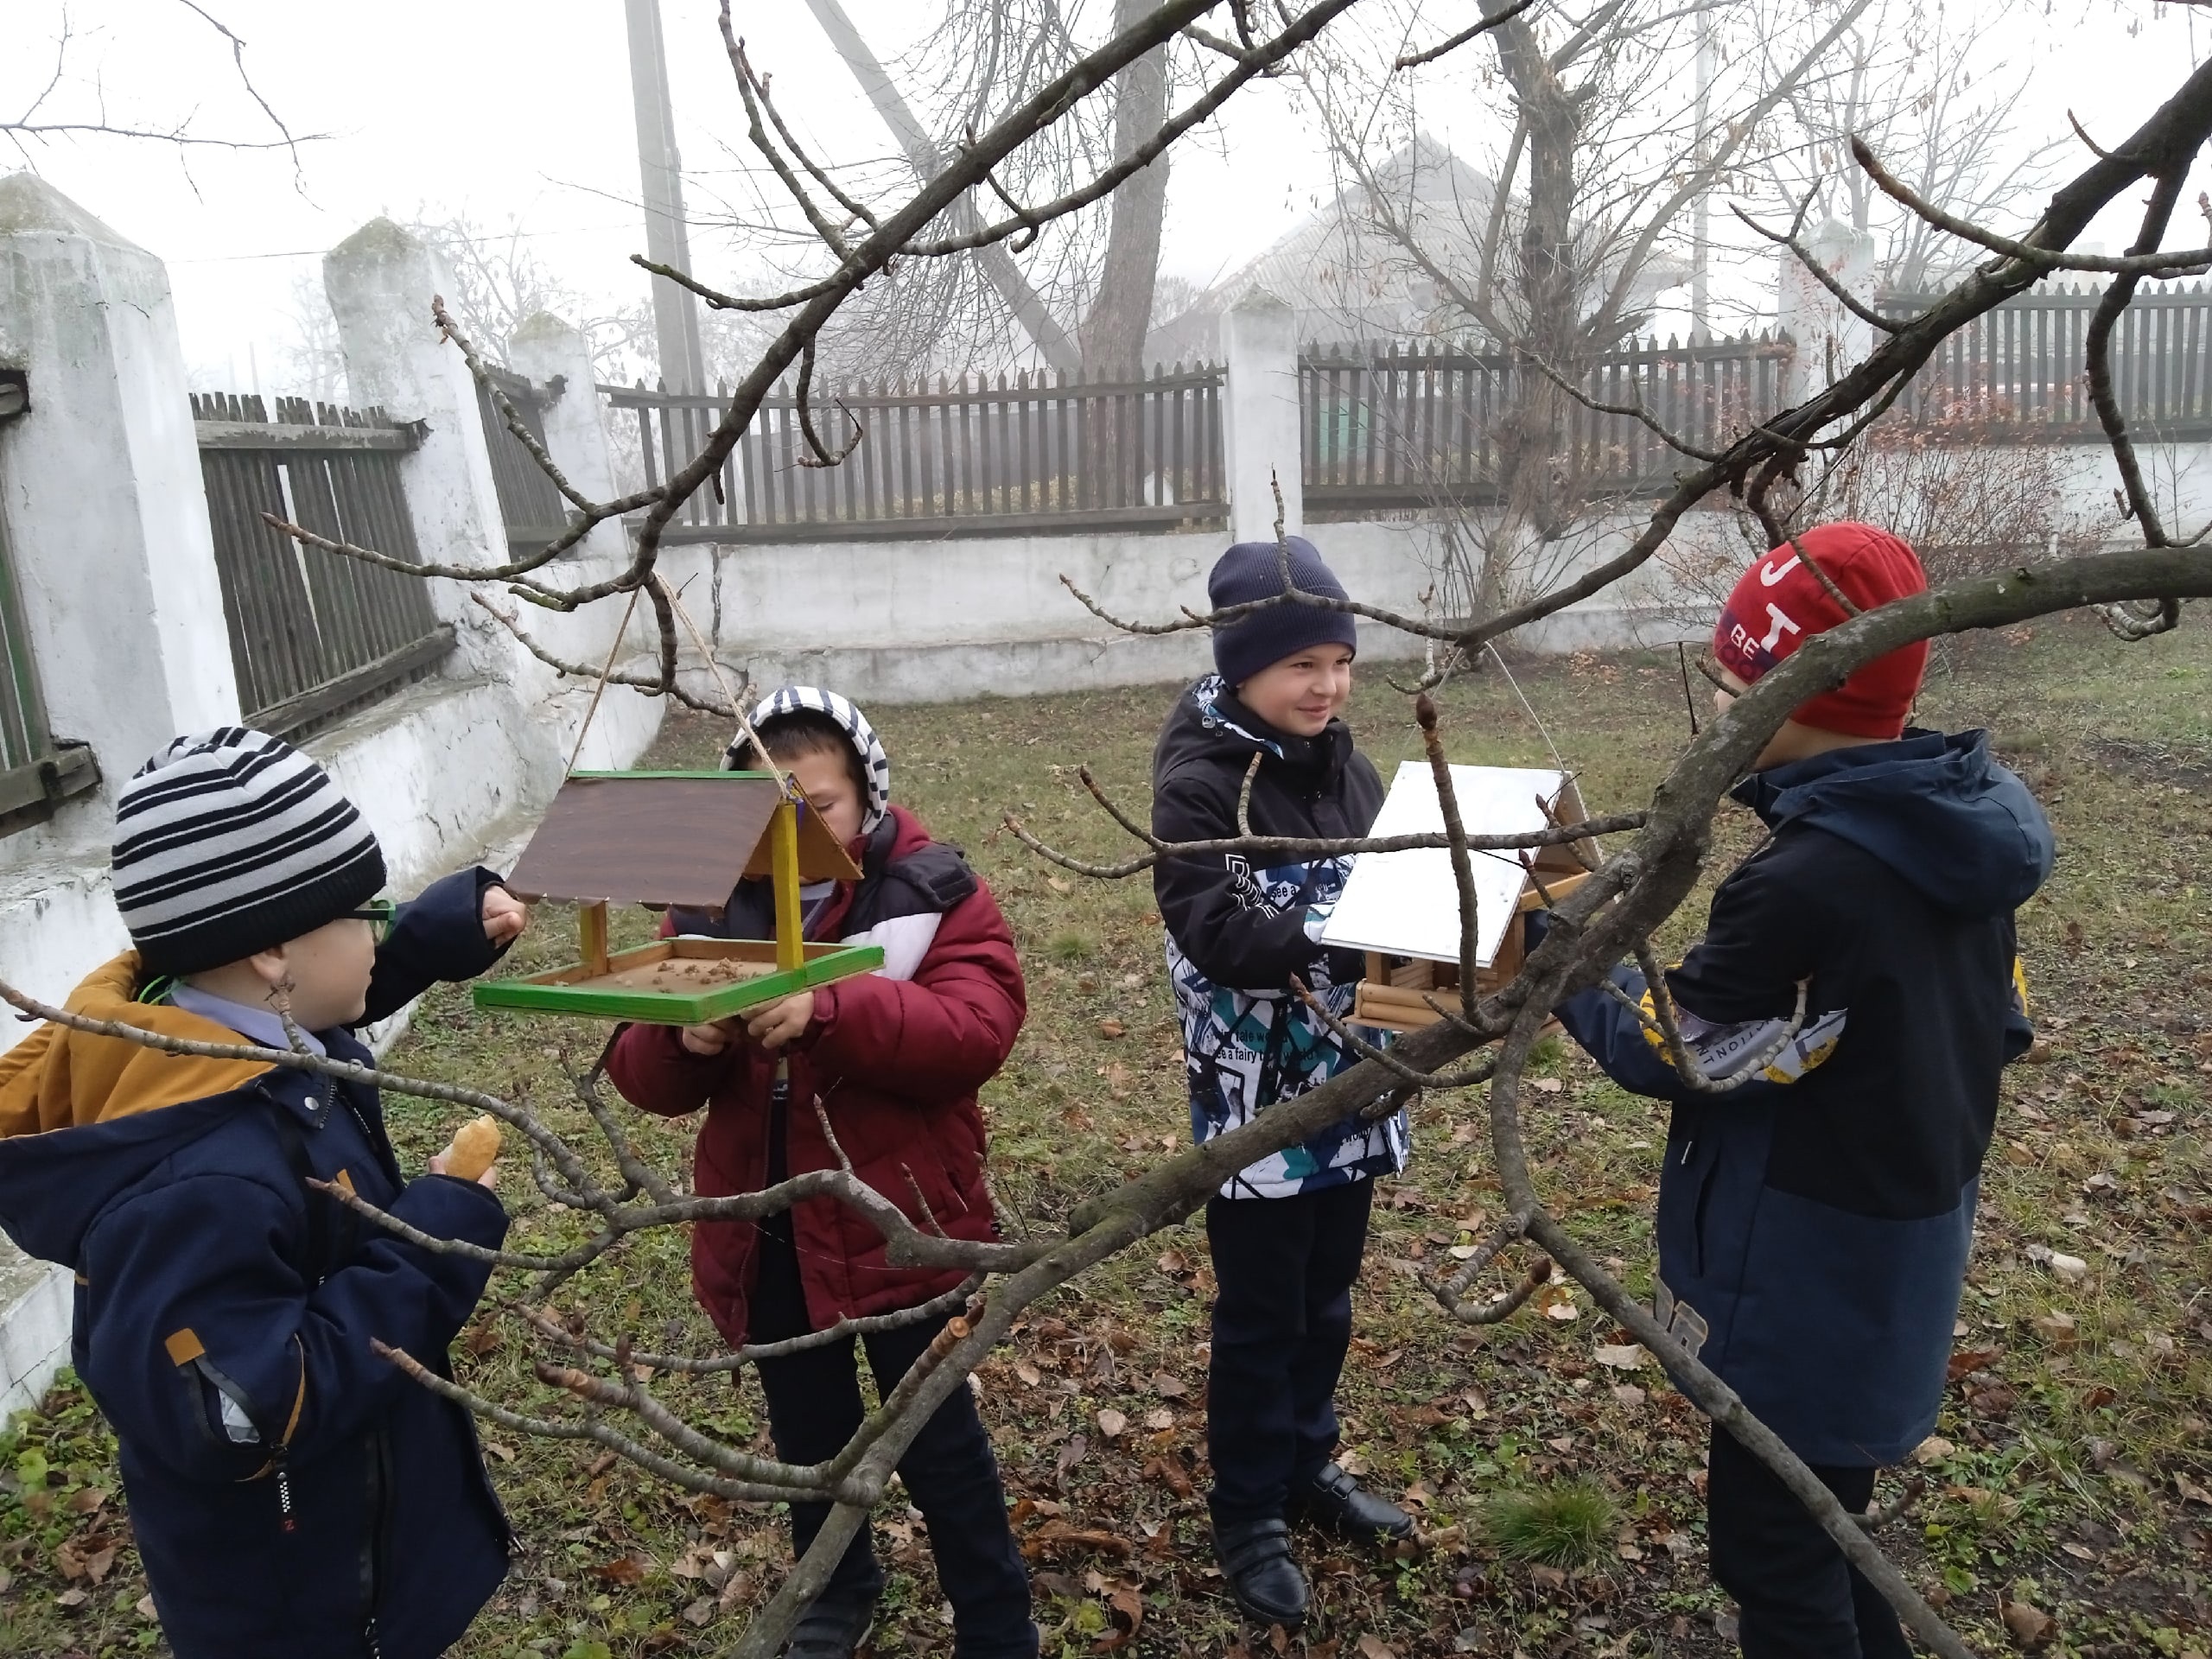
[(2030, 1628)]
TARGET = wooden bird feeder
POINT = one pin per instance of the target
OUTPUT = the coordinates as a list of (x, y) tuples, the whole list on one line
[(663, 838), (1402, 910)]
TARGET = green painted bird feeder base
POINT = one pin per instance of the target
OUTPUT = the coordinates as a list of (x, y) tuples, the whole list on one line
[(671, 981)]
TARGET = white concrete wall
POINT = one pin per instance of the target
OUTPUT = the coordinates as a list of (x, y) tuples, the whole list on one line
[(914, 621), (107, 523)]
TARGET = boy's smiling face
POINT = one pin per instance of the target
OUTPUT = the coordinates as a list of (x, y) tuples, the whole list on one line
[(1302, 693)]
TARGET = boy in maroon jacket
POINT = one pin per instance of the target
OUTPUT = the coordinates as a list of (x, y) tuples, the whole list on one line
[(894, 1058)]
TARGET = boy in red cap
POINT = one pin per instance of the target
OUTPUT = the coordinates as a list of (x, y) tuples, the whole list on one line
[(1814, 1223)]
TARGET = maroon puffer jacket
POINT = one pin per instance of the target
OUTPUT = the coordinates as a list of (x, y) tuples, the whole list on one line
[(896, 1062)]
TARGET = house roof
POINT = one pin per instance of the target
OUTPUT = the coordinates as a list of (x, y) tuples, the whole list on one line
[(1347, 279)]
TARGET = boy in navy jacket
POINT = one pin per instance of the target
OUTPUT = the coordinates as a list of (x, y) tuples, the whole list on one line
[(293, 1495), (1286, 1233), (1814, 1223)]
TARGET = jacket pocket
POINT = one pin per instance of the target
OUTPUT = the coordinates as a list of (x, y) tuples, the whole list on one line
[(1700, 1217)]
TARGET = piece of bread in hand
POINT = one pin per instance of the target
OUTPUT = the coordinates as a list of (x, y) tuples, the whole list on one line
[(473, 1149)]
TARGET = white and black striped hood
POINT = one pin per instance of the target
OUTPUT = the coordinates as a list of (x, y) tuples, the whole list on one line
[(875, 764)]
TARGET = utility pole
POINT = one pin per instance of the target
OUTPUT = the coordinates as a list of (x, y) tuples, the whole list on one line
[(1702, 212), (676, 308)]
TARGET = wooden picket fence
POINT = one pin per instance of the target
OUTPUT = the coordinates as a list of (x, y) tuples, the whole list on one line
[(1392, 427), (314, 635), (2020, 372), (973, 456)]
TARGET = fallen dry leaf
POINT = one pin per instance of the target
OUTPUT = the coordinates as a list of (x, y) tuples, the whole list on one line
[(1970, 1359), (145, 1609), (1621, 1357), (1933, 1450), (1564, 1311), (700, 1612), (1112, 1028), (1546, 1085), (1630, 1395), (2029, 1627), (1159, 1417), (623, 1569), (1111, 1423), (2057, 1329), (1372, 1646), (1058, 1535), (1030, 1375)]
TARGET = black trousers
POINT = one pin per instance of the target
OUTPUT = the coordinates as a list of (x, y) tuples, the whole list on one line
[(1800, 1599), (1281, 1323), (814, 1407)]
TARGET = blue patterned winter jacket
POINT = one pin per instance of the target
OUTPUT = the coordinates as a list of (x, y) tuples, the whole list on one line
[(1238, 935)]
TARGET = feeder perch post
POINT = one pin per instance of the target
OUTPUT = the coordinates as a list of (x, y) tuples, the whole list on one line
[(591, 926), (791, 944)]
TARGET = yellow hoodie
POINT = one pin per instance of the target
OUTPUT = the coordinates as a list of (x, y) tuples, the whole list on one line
[(60, 1077)]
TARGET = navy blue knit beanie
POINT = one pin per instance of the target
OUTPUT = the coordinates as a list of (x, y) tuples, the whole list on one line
[(1253, 570)]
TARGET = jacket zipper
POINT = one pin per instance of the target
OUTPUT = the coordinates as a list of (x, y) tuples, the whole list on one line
[(372, 1546)]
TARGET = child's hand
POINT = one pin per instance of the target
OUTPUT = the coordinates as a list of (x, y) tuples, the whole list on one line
[(487, 1180), (505, 916), (710, 1038), (782, 1021)]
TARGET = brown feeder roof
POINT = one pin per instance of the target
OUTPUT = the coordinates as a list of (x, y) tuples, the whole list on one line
[(664, 838)]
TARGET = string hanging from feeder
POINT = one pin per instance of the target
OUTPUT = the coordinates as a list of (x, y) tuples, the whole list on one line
[(784, 781)]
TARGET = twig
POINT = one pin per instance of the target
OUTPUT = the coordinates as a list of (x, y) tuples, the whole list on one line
[(1820, 273), (1413, 61), (2193, 262)]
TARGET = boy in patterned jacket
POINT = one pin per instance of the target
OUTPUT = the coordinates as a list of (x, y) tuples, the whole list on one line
[(1286, 1234)]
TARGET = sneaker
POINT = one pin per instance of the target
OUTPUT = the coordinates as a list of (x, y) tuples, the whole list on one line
[(833, 1627), (1334, 1499), (1256, 1563)]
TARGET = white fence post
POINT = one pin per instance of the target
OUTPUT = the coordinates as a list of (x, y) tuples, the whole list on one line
[(381, 281), (105, 511), (1829, 338), (1259, 423), (547, 349)]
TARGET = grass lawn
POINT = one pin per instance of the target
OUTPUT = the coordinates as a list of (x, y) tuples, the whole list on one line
[(2072, 1473)]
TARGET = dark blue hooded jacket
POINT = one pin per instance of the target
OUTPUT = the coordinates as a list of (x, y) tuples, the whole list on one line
[(293, 1495), (1814, 1223)]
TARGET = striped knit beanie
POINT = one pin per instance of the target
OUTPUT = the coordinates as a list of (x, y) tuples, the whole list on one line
[(875, 764), (230, 841)]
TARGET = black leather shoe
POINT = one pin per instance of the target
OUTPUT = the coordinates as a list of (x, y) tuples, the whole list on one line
[(1334, 1499), (1255, 1558), (833, 1627)]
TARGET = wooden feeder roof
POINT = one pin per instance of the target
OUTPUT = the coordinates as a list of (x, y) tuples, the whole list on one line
[(1406, 904), (665, 838)]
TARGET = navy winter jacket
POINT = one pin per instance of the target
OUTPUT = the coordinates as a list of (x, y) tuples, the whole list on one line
[(293, 1495), (1814, 1223)]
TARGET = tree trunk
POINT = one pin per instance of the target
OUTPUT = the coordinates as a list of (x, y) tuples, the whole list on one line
[(1052, 340), (1121, 305), (1121, 309), (1534, 483)]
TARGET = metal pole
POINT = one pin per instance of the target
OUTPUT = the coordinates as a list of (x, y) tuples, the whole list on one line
[(675, 309), (1702, 213)]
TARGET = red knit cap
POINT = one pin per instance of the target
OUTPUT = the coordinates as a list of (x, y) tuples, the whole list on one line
[(1779, 604)]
